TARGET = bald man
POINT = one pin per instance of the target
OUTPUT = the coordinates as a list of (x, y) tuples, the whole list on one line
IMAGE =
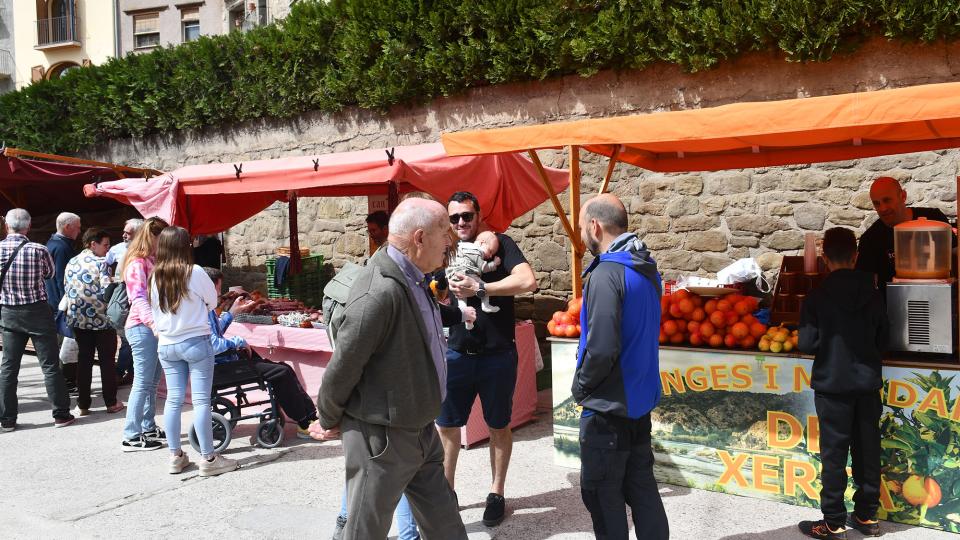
[(617, 380), (386, 380), (875, 252)]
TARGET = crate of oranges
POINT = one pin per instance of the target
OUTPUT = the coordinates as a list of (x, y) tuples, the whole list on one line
[(728, 321)]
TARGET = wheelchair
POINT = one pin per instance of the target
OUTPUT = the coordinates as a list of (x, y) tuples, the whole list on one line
[(231, 382)]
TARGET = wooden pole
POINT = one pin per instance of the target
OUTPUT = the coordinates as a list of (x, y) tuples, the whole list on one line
[(576, 250), (574, 238), (610, 166), (16, 152)]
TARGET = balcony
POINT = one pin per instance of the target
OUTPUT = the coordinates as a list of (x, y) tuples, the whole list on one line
[(6, 64), (58, 32)]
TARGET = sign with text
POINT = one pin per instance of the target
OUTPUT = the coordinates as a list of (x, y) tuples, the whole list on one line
[(746, 424)]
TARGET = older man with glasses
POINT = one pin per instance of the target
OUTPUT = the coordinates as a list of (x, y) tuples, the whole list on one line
[(114, 261)]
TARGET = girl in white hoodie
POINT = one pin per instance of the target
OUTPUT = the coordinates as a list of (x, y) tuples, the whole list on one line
[(181, 297)]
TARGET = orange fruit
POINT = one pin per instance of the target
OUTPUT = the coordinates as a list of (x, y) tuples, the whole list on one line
[(748, 342), (730, 341), (572, 331), (696, 339), (718, 319), (698, 314), (710, 306), (557, 317), (680, 294), (663, 337), (724, 305), (919, 490), (742, 308), (716, 340), (676, 339), (552, 328), (670, 328), (758, 329), (693, 327), (675, 311), (566, 318), (665, 304), (573, 307), (731, 318), (707, 329), (740, 330), (686, 305)]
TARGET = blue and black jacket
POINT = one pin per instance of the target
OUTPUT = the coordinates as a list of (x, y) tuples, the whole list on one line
[(618, 363)]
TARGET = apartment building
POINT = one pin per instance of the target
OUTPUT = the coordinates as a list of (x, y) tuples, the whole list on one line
[(7, 76)]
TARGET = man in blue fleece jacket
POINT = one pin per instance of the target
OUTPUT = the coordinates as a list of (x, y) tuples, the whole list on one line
[(617, 380)]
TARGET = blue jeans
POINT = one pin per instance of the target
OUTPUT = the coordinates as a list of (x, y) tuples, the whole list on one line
[(142, 403), (190, 359), (406, 525)]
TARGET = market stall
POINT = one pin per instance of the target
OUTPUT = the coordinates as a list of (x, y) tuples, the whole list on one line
[(740, 419), (212, 198)]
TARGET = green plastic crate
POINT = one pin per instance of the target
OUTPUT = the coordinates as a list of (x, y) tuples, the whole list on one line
[(307, 286)]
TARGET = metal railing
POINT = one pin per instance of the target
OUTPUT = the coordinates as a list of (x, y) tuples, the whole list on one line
[(58, 30), (6, 64)]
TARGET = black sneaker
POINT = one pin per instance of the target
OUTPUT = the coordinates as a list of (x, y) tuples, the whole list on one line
[(493, 514), (338, 530), (64, 421), (6, 427), (139, 444), (155, 434), (871, 527), (820, 529)]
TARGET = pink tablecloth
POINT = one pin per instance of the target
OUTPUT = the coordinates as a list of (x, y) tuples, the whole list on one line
[(308, 351)]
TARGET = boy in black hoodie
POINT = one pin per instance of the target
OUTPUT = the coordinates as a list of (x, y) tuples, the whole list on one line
[(844, 324)]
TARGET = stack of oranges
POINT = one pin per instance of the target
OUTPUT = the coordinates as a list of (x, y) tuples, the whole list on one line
[(718, 322), (566, 323)]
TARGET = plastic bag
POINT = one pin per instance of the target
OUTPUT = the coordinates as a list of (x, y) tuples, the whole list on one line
[(744, 270), (69, 351)]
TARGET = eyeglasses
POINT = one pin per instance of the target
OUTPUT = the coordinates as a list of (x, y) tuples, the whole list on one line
[(466, 216)]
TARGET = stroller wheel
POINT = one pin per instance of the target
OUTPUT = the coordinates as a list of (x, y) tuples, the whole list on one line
[(270, 433), (222, 433), (225, 407), (269, 414)]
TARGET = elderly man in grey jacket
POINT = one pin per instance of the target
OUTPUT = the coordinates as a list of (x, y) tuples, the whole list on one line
[(387, 377)]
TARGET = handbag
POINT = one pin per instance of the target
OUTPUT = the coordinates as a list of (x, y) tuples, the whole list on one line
[(3, 274)]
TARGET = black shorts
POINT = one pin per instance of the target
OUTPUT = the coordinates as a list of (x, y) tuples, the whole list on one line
[(492, 376)]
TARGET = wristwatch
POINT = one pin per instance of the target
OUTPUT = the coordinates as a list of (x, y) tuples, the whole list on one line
[(481, 290)]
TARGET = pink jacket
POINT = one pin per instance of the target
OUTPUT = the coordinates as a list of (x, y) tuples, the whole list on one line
[(136, 277)]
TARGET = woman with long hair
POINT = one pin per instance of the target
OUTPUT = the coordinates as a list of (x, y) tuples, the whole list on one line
[(85, 282), (140, 432), (181, 298)]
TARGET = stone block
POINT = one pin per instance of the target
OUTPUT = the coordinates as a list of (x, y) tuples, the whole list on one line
[(848, 179), (551, 256), (744, 241), (654, 208), (683, 206), (756, 224), (784, 240), (861, 200), (847, 216), (695, 223), (706, 241), (808, 180), (769, 260), (780, 209), (835, 196), (947, 193), (678, 260), (543, 279), (560, 281), (746, 202), (810, 216), (766, 182), (739, 253), (727, 182), (652, 224), (648, 190), (714, 263), (662, 240), (881, 163), (688, 184), (830, 165), (713, 205)]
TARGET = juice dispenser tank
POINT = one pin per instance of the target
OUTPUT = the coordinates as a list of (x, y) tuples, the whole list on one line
[(922, 249)]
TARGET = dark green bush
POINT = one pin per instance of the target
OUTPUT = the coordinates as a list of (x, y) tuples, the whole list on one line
[(375, 54)]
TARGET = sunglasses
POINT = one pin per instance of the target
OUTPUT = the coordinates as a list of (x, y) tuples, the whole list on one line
[(466, 216)]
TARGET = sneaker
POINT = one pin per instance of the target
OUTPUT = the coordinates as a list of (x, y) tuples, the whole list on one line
[(219, 465), (7, 427), (338, 530), (179, 463), (870, 527), (820, 529), (155, 434), (140, 443), (64, 422), (493, 514), (303, 434), (83, 412), (116, 407)]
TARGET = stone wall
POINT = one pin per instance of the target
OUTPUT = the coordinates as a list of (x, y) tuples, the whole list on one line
[(695, 223)]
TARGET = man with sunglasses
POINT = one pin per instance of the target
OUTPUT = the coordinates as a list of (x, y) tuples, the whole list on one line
[(483, 361)]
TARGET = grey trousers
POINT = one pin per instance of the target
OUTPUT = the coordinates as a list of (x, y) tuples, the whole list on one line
[(33, 322), (383, 462)]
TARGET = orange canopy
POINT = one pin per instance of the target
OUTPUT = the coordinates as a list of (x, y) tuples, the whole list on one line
[(214, 197), (743, 135)]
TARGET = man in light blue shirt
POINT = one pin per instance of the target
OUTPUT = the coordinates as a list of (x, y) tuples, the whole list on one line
[(114, 262)]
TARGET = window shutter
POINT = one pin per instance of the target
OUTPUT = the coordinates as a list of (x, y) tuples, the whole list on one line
[(36, 73), (190, 14), (146, 23)]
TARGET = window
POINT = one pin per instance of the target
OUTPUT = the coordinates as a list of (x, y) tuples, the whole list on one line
[(59, 70), (146, 30), (190, 21)]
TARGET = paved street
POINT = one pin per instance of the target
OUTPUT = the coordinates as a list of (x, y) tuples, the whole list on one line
[(76, 483)]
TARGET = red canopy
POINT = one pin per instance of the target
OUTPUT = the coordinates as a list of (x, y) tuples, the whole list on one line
[(46, 187), (207, 199)]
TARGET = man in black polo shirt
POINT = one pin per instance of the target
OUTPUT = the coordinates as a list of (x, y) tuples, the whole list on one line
[(483, 361), (875, 252)]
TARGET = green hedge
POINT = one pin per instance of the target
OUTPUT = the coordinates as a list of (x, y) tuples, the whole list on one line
[(374, 54)]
